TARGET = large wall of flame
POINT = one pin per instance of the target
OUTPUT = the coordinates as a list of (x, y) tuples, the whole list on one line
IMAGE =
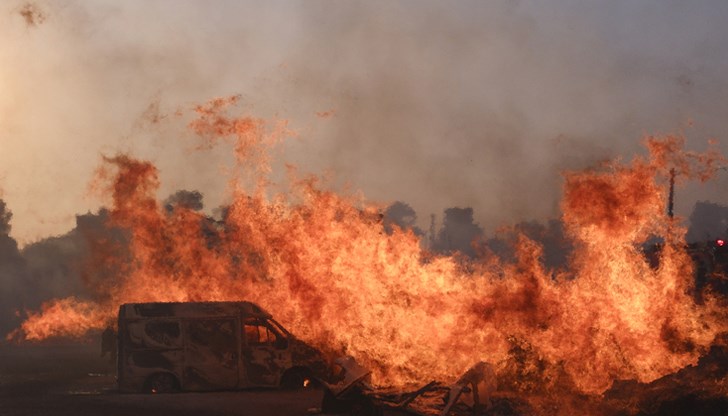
[(323, 265)]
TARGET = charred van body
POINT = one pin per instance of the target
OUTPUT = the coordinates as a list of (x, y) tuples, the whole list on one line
[(195, 346)]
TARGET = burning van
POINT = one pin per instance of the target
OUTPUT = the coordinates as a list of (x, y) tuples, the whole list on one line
[(195, 346)]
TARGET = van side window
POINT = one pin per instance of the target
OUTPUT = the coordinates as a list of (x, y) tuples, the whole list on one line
[(163, 333), (152, 334), (258, 333)]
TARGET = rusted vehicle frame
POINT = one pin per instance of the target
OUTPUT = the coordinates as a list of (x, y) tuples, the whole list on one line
[(197, 346), (469, 395)]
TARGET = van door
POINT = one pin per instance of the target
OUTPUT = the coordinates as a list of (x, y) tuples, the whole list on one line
[(211, 358), (265, 352)]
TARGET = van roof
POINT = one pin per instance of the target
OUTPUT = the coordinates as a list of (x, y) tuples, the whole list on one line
[(190, 309)]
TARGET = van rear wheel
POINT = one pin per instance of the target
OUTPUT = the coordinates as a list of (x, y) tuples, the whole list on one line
[(161, 383)]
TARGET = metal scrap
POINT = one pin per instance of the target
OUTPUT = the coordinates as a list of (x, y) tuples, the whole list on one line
[(470, 394)]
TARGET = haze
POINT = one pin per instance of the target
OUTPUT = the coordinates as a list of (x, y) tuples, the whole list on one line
[(437, 104)]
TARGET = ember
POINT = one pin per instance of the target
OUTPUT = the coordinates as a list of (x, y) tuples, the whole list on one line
[(322, 263)]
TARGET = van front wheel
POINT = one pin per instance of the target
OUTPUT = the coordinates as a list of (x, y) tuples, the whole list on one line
[(161, 383), (295, 378)]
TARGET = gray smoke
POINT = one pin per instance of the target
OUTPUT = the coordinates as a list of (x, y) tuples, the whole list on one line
[(708, 221), (440, 104)]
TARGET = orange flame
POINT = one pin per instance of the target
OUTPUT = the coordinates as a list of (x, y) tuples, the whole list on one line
[(68, 317), (321, 263)]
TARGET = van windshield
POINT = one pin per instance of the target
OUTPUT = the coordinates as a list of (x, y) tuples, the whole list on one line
[(262, 332), (278, 326)]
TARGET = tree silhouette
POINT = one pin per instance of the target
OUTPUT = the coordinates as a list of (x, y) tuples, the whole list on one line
[(458, 232), (403, 216)]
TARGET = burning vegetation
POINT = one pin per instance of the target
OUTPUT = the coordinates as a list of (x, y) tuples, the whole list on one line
[(323, 263)]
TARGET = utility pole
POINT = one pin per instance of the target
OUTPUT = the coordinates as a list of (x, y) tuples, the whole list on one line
[(671, 197), (432, 231)]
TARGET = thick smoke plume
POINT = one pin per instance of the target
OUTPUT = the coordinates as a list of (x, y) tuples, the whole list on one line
[(465, 104)]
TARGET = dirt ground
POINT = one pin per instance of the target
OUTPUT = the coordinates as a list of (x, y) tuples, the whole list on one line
[(74, 380)]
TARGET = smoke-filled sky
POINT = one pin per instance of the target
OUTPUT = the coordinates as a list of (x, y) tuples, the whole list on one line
[(438, 104)]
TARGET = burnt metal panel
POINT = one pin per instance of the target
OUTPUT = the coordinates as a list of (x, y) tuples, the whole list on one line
[(191, 309), (154, 359), (160, 334), (304, 355), (266, 353), (211, 354), (153, 309), (208, 346)]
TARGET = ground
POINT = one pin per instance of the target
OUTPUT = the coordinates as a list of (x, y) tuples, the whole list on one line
[(73, 380)]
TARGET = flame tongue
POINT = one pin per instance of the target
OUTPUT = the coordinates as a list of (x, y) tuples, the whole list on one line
[(321, 263)]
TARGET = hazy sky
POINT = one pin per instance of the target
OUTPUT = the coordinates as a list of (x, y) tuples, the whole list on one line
[(438, 104)]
